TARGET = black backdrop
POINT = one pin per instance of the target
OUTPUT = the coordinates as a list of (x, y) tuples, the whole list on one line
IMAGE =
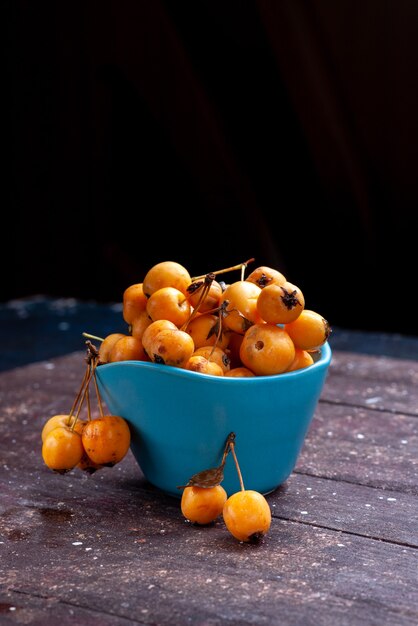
[(210, 132)]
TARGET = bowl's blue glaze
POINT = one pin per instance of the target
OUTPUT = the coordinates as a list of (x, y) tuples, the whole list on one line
[(180, 420)]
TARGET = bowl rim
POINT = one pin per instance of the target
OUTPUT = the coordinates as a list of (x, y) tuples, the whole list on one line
[(322, 362)]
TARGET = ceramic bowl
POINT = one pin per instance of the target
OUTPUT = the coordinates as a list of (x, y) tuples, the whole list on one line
[(180, 420)]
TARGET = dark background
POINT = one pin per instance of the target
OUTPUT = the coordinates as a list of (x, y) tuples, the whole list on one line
[(210, 132)]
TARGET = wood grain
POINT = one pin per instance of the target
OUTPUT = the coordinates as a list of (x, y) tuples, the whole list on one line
[(111, 549)]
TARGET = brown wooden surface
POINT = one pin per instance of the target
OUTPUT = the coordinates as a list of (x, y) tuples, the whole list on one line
[(109, 549)]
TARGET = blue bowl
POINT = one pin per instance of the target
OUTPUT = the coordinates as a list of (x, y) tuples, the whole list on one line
[(180, 420)]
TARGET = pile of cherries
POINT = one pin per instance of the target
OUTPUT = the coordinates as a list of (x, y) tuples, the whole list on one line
[(257, 325)]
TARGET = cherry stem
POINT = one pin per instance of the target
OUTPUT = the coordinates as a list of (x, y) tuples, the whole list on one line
[(239, 266), (84, 395), (88, 402), (92, 337), (232, 448), (78, 396), (218, 334), (230, 439), (205, 287), (99, 398)]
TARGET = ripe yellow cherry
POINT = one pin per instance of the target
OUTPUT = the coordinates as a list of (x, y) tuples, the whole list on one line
[(202, 505), (202, 365), (106, 439), (62, 449), (54, 422), (107, 345), (309, 331), (267, 349), (204, 331), (302, 359), (140, 323), (215, 354), (166, 274), (171, 347), (280, 304), (127, 348), (134, 301), (247, 515), (241, 310), (211, 298), (264, 275), (169, 303), (152, 330)]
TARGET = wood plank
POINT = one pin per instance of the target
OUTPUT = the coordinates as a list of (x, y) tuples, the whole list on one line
[(350, 508), (133, 551), (111, 547), (22, 608), (353, 509), (374, 382), (380, 368), (362, 446)]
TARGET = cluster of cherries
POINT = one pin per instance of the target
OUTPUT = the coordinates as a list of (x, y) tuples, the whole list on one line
[(255, 326), (74, 440), (246, 513)]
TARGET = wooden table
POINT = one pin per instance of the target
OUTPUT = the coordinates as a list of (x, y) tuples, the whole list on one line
[(110, 549)]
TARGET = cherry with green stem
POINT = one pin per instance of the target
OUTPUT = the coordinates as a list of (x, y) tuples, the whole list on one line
[(89, 336)]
